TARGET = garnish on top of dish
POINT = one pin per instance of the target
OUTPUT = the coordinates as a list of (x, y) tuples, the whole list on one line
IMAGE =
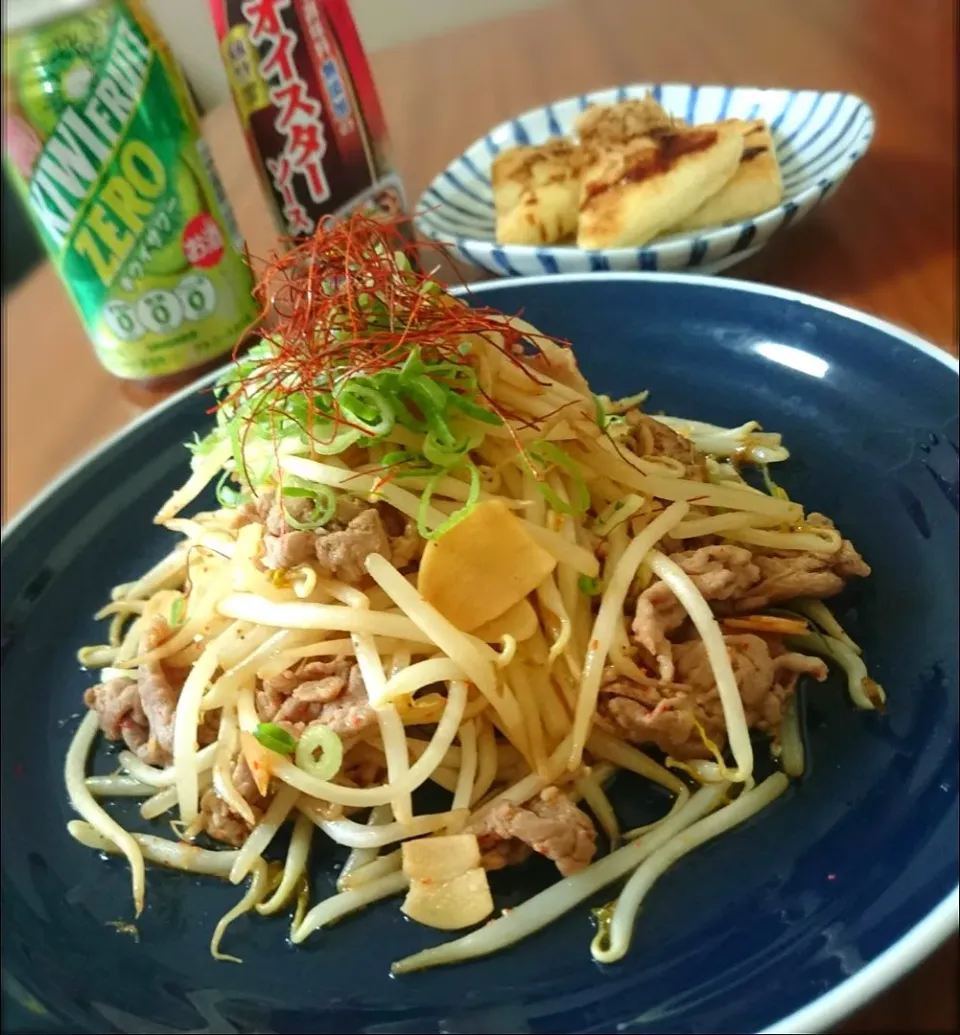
[(437, 557), (634, 173)]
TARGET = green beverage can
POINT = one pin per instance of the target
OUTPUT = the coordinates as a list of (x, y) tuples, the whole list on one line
[(103, 144)]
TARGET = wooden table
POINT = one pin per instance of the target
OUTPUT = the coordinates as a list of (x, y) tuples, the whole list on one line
[(885, 243)]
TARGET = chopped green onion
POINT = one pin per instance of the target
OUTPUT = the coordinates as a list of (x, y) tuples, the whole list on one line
[(418, 471), (443, 455), (390, 383), (201, 446), (176, 612), (420, 392), (589, 587), (431, 400), (324, 507), (366, 406), (458, 515), (432, 390), (412, 465), (453, 373), (399, 456), (603, 418), (227, 496), (319, 738), (275, 738), (471, 409), (600, 413), (341, 439), (412, 365), (549, 453)]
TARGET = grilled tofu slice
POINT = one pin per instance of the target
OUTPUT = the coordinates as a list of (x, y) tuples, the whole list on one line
[(536, 189), (755, 187), (633, 193), (606, 125)]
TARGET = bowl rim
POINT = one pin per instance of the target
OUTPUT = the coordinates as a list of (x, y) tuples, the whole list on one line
[(764, 221), (927, 934)]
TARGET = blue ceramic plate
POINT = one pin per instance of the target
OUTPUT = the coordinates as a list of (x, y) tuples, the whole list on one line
[(786, 924)]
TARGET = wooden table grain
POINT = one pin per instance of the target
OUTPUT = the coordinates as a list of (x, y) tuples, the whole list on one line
[(884, 243)]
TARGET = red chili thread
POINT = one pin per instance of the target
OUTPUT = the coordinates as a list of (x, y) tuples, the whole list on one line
[(310, 309)]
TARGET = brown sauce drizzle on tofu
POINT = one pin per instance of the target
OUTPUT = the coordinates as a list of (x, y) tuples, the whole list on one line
[(669, 148)]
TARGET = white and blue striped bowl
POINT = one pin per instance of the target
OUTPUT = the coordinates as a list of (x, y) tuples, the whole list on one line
[(819, 137)]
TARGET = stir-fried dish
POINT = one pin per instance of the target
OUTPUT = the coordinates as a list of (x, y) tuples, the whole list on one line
[(438, 558)]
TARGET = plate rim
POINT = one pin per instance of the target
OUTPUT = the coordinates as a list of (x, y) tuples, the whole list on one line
[(832, 176), (666, 85), (932, 930)]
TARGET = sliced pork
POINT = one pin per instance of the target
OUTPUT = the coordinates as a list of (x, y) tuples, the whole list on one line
[(789, 576), (219, 821), (158, 696), (342, 554), (331, 693), (766, 676), (720, 572), (550, 824), (140, 708), (648, 437), (340, 549), (117, 704)]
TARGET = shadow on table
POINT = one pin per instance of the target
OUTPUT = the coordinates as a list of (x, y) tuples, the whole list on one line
[(21, 247)]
